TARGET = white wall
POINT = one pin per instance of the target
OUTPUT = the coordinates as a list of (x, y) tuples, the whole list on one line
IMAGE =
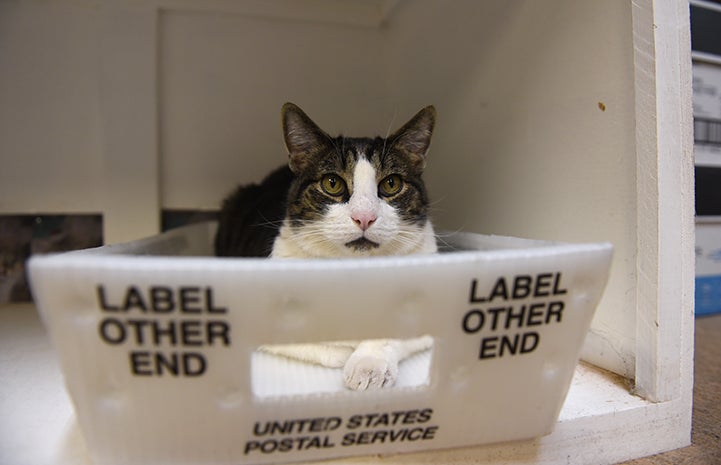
[(223, 80), (49, 108)]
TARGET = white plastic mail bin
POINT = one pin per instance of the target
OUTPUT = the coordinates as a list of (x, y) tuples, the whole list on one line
[(157, 344)]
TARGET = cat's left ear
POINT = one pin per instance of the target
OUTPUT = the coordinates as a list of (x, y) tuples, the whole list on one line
[(414, 138), (303, 138)]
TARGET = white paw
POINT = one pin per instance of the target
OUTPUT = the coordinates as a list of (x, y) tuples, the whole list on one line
[(363, 371)]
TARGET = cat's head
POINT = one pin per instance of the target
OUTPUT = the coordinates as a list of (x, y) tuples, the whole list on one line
[(358, 196)]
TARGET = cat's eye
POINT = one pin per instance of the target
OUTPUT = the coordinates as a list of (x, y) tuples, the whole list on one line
[(332, 184), (390, 185)]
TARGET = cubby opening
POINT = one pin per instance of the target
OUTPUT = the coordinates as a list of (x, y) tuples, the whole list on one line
[(558, 120)]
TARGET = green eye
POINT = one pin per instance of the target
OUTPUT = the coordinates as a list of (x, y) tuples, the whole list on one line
[(390, 185), (332, 184)]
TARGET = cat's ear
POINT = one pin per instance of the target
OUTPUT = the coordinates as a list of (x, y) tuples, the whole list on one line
[(414, 138), (303, 138)]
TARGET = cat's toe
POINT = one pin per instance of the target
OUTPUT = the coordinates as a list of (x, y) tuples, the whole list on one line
[(369, 373)]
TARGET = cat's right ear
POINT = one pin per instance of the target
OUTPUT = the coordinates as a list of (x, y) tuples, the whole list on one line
[(303, 138)]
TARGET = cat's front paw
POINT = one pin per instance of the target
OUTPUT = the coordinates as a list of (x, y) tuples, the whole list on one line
[(369, 372)]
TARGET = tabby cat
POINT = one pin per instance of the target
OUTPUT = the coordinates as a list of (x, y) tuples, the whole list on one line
[(339, 197)]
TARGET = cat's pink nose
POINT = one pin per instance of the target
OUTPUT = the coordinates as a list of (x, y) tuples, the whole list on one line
[(364, 220)]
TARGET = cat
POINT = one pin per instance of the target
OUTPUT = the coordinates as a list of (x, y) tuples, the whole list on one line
[(339, 197)]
